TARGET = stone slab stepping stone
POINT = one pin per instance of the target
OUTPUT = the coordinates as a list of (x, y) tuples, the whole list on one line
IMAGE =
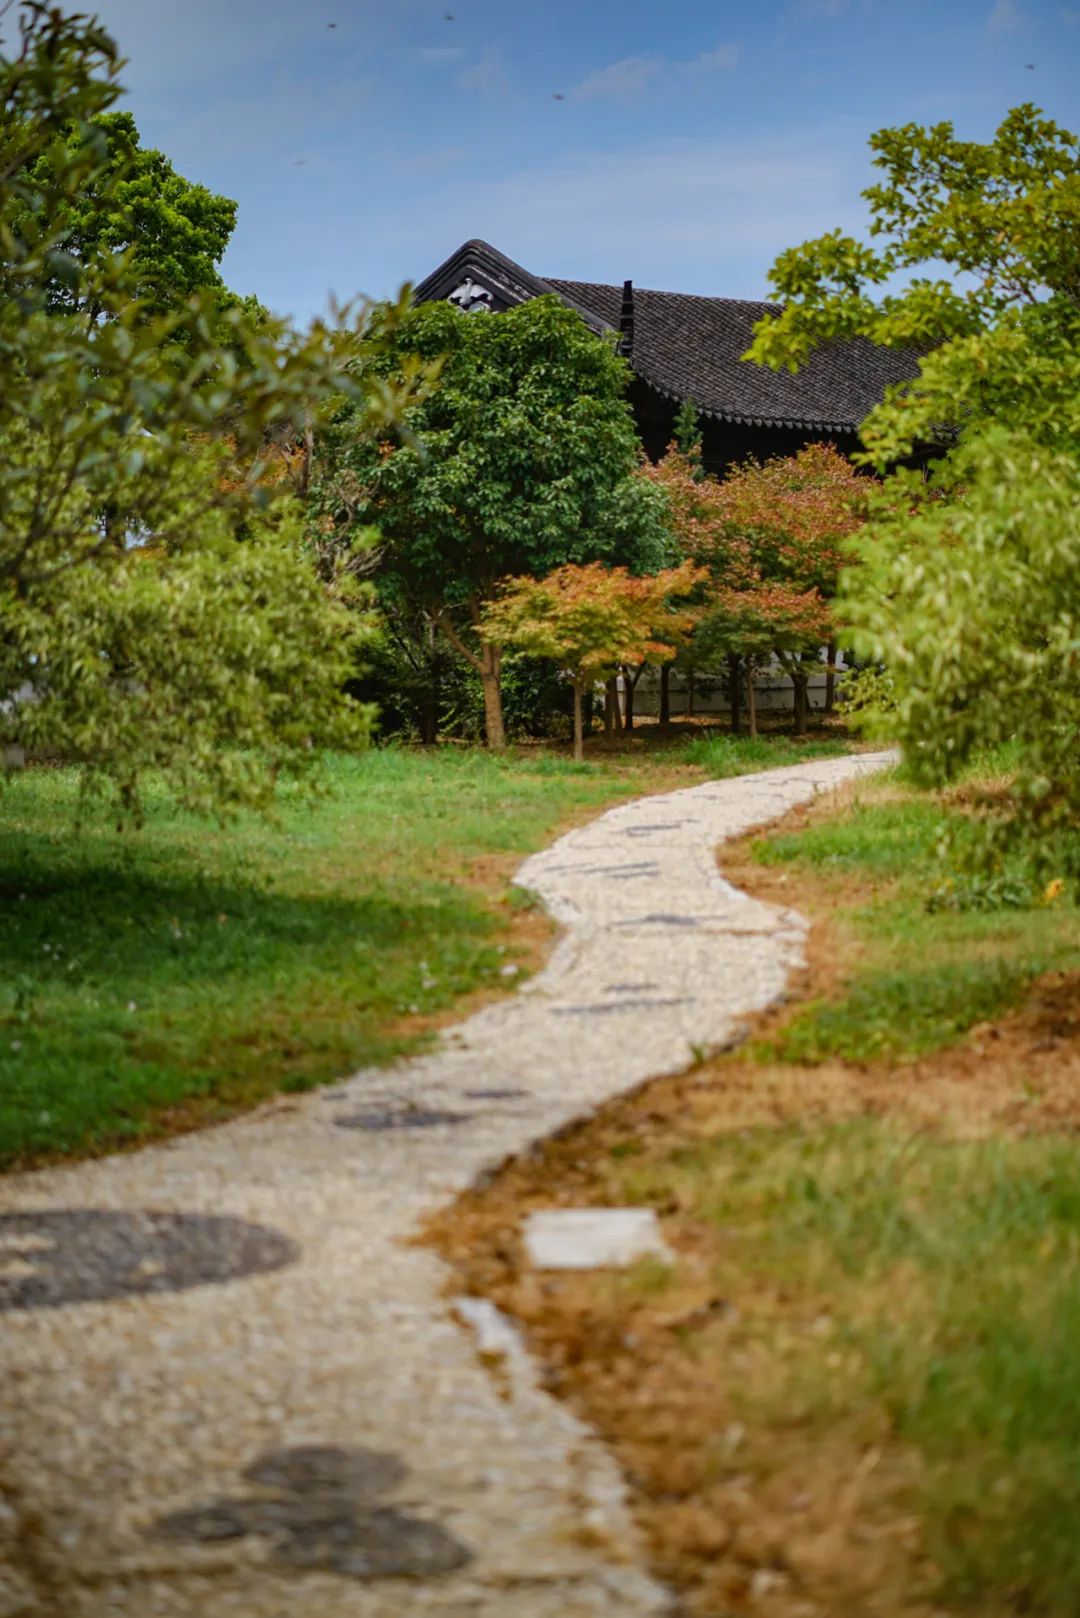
[(593, 1238)]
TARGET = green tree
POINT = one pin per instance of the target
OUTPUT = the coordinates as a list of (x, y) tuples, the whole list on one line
[(973, 603), (1002, 218), (171, 232), (158, 606), (687, 431), (522, 458), (591, 620), (968, 589)]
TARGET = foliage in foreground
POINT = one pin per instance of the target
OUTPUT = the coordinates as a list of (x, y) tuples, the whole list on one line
[(974, 605), (156, 605), (983, 239), (970, 596)]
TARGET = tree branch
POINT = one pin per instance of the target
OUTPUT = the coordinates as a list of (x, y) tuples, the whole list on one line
[(449, 629)]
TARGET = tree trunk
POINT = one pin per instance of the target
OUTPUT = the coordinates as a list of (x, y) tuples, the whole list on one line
[(801, 682), (307, 456), (429, 707), (611, 708), (690, 691), (488, 664), (665, 695), (491, 681), (113, 524), (751, 698), (629, 685), (579, 729), (734, 691), (830, 679), (429, 715)]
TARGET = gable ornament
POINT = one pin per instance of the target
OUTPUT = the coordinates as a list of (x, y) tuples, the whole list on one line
[(472, 297)]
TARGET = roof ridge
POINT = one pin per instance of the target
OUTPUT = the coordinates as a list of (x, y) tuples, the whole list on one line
[(660, 292)]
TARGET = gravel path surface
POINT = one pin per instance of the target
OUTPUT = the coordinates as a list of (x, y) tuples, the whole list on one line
[(230, 1387)]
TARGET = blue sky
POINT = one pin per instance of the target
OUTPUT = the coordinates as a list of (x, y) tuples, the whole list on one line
[(678, 142)]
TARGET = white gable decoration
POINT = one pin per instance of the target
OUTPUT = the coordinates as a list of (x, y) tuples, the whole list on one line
[(472, 297)]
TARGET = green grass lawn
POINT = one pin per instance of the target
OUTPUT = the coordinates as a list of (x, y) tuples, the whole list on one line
[(926, 973), (169, 975), (189, 965), (720, 754)]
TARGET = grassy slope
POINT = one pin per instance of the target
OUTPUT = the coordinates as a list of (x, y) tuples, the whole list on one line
[(947, 1276), (723, 755), (172, 975)]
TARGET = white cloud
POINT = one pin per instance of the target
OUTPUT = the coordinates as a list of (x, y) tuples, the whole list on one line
[(705, 216), (488, 76), (621, 81), (1005, 18), (629, 78), (722, 59)]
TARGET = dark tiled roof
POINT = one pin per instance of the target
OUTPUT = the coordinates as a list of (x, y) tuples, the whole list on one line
[(688, 347)]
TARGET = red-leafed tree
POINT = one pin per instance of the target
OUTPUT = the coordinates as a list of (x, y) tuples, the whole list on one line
[(773, 537), (590, 619)]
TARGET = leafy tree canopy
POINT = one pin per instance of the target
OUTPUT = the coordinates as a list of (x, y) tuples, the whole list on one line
[(157, 606), (971, 600), (523, 458), (772, 537), (968, 588), (173, 233), (1002, 218), (591, 619)]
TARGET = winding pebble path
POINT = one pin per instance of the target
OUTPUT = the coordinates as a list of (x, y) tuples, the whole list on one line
[(229, 1387)]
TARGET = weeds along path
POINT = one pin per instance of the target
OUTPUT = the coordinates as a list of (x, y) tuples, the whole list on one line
[(233, 1386)]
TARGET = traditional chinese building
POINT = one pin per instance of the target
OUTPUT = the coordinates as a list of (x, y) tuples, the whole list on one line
[(684, 347)]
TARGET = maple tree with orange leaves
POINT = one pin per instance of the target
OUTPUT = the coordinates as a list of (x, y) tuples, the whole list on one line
[(773, 537), (590, 619)]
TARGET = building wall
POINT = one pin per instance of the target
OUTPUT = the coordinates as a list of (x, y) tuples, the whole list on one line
[(773, 689)]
